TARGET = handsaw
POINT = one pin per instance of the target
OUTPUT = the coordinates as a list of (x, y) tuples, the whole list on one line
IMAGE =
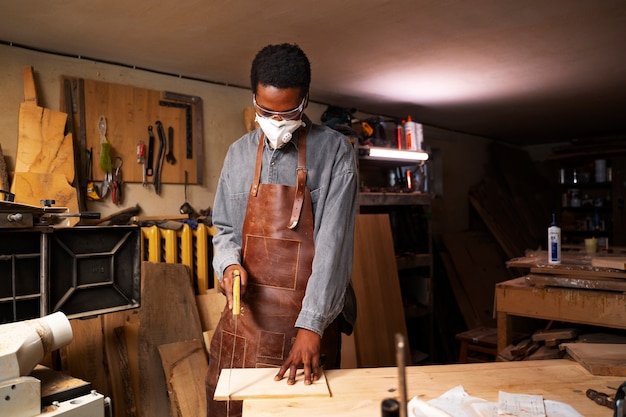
[(236, 312)]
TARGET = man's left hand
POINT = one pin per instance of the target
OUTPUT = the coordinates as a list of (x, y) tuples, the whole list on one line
[(305, 351)]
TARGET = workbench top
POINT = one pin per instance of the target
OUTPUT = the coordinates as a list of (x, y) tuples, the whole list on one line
[(359, 392)]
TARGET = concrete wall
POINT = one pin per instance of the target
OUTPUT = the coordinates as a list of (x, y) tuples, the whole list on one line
[(460, 158)]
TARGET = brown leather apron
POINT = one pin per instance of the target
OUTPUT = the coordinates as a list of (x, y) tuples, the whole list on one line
[(277, 253)]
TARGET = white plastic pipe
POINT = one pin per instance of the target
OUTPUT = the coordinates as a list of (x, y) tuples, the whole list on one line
[(23, 344)]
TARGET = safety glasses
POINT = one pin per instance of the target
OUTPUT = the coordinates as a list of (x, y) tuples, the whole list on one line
[(285, 115)]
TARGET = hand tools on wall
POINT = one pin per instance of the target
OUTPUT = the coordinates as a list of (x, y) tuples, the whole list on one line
[(159, 161), (198, 111), (116, 190), (105, 156), (93, 192), (141, 159), (169, 157), (80, 180), (188, 124), (149, 168)]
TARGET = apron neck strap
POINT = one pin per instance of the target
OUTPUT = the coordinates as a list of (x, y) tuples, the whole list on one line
[(301, 174), (300, 180)]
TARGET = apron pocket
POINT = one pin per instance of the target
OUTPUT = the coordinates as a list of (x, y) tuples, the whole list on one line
[(271, 346), (274, 261)]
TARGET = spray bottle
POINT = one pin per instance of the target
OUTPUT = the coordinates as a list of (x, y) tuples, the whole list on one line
[(413, 134), (554, 242)]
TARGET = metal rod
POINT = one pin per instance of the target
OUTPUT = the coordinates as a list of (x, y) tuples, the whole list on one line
[(43, 275), (400, 355)]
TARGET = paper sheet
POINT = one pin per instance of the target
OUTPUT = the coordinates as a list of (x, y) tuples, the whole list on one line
[(520, 405), (457, 403)]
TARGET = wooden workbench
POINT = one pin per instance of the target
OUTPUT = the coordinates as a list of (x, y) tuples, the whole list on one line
[(359, 392), (575, 305)]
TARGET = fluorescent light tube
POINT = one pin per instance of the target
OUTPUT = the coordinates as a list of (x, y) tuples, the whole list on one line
[(389, 153)]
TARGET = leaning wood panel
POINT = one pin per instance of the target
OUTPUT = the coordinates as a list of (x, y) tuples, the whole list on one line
[(168, 314), (377, 288)]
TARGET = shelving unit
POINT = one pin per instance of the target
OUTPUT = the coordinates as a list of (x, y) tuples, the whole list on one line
[(591, 203), (384, 190)]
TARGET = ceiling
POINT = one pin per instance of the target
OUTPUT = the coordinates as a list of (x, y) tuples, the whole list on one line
[(522, 72)]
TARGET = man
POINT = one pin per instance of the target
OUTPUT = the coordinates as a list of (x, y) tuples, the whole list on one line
[(284, 212)]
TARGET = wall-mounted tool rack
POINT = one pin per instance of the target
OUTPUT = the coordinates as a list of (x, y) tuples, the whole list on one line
[(129, 111)]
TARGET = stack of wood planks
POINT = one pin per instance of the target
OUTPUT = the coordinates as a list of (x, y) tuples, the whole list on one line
[(576, 270)]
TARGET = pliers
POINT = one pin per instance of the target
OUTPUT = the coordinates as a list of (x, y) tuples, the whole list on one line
[(601, 398), (116, 190)]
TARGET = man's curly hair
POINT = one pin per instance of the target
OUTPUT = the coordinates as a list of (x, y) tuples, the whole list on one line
[(281, 66)]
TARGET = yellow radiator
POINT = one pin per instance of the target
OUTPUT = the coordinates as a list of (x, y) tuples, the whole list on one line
[(185, 246)]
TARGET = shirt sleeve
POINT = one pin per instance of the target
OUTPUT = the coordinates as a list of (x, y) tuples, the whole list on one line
[(334, 241), (226, 242)]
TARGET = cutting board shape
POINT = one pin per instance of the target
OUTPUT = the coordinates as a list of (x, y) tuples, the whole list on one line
[(246, 383), (599, 358), (42, 146), (44, 163)]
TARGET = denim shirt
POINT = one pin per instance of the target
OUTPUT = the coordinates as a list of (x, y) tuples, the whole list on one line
[(332, 179)]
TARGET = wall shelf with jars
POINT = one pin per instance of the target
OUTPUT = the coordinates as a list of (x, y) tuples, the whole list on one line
[(592, 198)]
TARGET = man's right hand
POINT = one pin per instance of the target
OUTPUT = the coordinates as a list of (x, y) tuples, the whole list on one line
[(226, 285)]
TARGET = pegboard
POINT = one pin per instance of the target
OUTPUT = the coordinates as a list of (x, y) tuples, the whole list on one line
[(129, 112)]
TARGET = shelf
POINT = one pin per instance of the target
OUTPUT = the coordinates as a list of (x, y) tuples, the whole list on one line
[(384, 190), (588, 209), (414, 260), (587, 233), (587, 185), (393, 199)]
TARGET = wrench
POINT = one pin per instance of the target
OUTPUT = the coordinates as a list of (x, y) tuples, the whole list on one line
[(170, 153)]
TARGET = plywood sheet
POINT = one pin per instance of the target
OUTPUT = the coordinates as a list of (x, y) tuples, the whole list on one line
[(376, 285), (599, 358), (246, 383)]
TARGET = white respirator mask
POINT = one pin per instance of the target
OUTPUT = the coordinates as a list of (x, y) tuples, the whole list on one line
[(278, 132)]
